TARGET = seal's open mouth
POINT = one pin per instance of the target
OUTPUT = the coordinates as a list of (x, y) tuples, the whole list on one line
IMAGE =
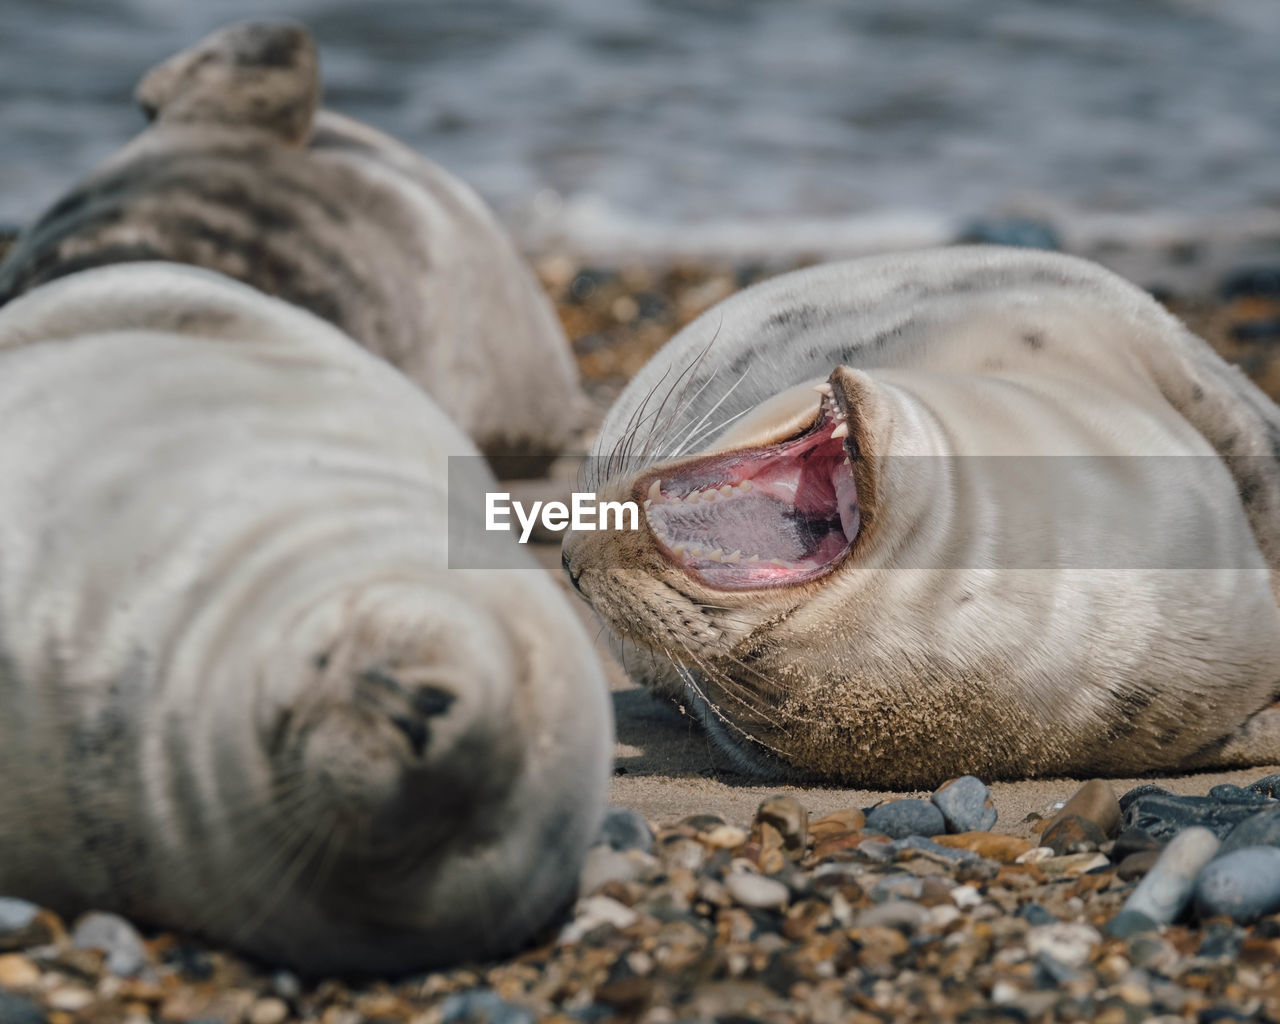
[(761, 517)]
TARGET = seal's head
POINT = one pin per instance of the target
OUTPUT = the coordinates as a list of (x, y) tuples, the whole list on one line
[(734, 541), (263, 75)]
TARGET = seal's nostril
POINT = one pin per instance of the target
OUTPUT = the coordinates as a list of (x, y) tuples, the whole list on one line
[(430, 701), (414, 729), (568, 571)]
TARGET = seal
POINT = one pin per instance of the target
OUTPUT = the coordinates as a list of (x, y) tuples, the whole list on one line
[(240, 173), (242, 694), (972, 510)]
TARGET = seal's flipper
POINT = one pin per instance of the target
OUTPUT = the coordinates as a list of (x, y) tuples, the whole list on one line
[(258, 74)]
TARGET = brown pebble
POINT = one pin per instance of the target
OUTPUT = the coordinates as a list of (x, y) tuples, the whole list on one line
[(993, 845), (1138, 864), (1095, 802), (1072, 833), (837, 824), (16, 971), (787, 815)]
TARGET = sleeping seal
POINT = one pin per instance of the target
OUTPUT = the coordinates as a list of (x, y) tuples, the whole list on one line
[(239, 173), (969, 510), (241, 694)]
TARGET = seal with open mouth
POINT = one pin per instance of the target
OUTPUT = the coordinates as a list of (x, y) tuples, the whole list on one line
[(971, 510)]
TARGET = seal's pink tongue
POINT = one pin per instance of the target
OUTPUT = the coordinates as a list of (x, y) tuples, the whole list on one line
[(762, 517)]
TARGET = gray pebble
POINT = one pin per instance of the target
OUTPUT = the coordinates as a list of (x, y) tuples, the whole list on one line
[(902, 915), (482, 1006), (1166, 889), (116, 937), (604, 864), (757, 891), (1128, 923), (16, 1010), (901, 818), (1261, 829), (965, 805), (1244, 885), (623, 829), (1235, 795), (934, 850), (16, 915), (896, 886)]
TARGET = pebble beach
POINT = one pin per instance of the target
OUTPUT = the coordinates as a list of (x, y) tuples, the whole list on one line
[(712, 897)]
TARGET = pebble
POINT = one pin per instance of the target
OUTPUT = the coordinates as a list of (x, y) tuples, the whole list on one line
[(1035, 914), (22, 924), (757, 891), (1128, 923), (268, 1011), (16, 1010), (1268, 785), (1136, 865), (788, 816), (1163, 815), (1260, 829), (115, 937), (1073, 863), (1072, 834), (838, 824), (1235, 795), (623, 829), (1003, 849), (965, 804), (1068, 943), (482, 1006), (17, 971), (593, 913), (1094, 802), (1166, 890), (901, 915), (1243, 884), (604, 864), (901, 818)]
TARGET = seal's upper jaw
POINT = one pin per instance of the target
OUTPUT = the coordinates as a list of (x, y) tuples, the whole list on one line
[(763, 516)]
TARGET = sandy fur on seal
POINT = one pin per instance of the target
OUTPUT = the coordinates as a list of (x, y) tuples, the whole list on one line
[(904, 676), (237, 175), (240, 692)]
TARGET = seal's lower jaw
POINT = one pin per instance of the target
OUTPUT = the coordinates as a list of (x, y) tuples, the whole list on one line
[(760, 517)]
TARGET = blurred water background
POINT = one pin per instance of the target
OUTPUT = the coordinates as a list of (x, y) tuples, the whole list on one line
[(642, 121)]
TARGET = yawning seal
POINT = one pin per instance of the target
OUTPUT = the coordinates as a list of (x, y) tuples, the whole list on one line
[(972, 510)]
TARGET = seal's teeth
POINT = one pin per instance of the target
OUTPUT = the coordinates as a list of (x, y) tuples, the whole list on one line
[(715, 555), (733, 557), (745, 486), (655, 491), (726, 490), (677, 551), (708, 495), (823, 389), (754, 558), (840, 430), (674, 499)]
